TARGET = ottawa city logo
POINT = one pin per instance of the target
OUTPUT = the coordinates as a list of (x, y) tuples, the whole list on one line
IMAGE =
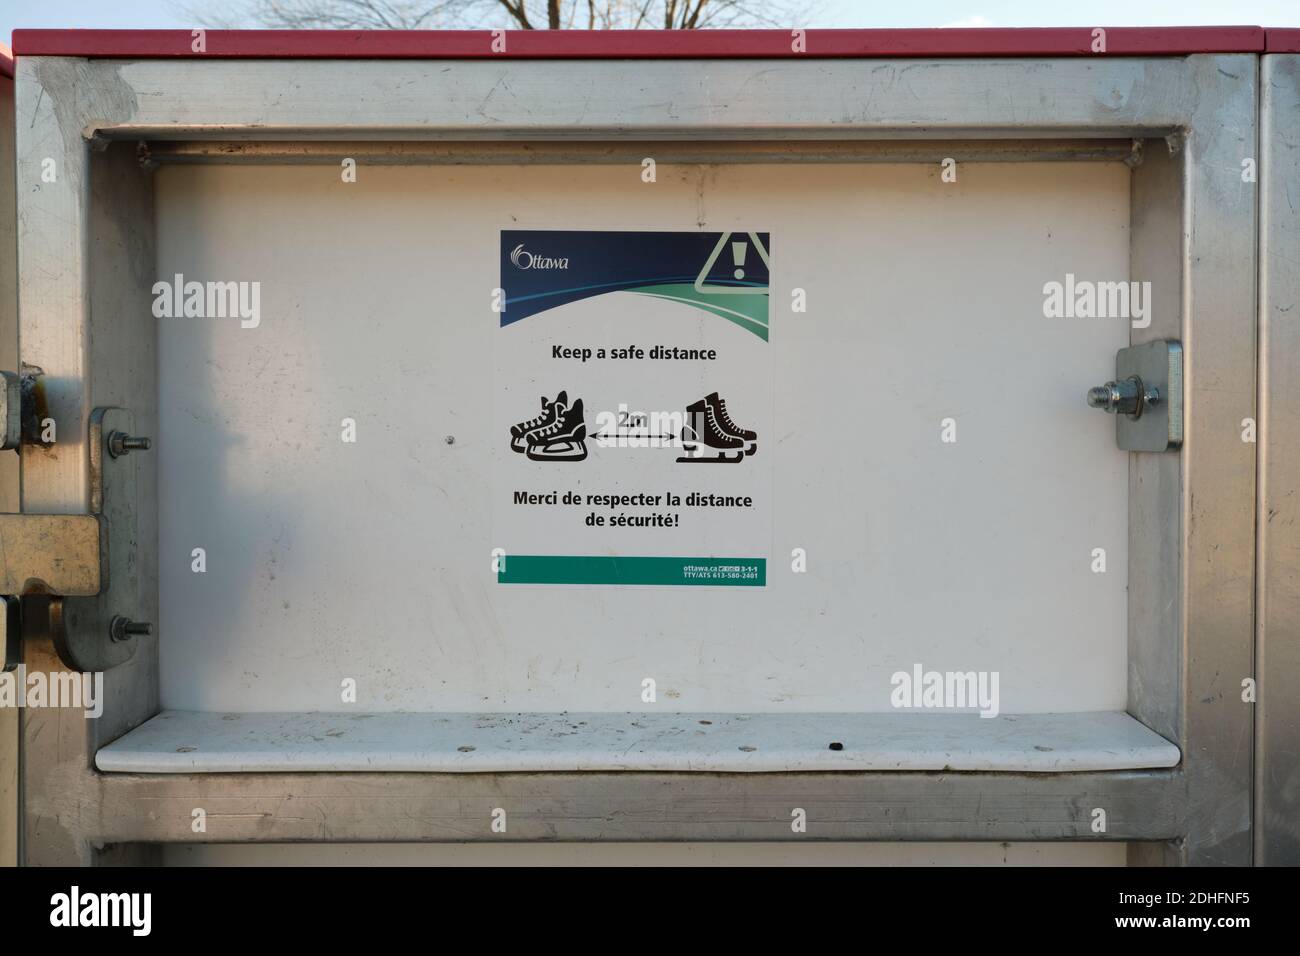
[(523, 259)]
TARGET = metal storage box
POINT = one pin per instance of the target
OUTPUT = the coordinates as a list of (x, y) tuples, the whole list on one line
[(873, 274)]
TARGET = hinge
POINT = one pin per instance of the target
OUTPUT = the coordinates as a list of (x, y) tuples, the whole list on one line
[(55, 569)]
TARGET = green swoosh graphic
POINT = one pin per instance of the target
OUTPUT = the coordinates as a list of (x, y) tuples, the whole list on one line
[(747, 311)]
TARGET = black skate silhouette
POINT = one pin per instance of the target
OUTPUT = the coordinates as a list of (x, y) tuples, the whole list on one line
[(550, 412), (720, 412), (564, 439), (709, 426)]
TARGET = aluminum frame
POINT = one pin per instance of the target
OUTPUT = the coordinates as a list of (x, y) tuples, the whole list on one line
[(1277, 727), (8, 463), (86, 254)]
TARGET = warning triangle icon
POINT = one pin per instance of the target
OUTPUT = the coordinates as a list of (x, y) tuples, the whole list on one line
[(738, 265)]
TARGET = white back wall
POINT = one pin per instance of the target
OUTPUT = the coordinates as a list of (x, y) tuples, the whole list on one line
[(328, 560)]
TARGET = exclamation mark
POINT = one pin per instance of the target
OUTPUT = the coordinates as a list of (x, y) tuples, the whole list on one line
[(738, 250)]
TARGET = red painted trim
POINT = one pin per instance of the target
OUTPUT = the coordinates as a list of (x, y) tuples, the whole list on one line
[(1282, 41), (637, 44)]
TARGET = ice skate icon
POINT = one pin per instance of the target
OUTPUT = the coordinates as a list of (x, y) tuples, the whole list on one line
[(708, 426), (557, 434), (550, 412)]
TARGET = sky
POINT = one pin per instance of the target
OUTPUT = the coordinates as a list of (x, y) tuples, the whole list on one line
[(126, 14)]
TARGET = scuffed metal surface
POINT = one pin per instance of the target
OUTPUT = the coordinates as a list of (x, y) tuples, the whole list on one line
[(49, 554)]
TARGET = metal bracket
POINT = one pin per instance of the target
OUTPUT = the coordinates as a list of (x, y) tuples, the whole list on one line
[(1146, 396), (11, 410), (54, 569), (43, 558)]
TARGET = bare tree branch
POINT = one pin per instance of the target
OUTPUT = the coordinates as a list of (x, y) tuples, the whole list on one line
[(518, 14)]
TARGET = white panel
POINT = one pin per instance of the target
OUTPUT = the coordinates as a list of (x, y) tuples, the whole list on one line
[(370, 561)]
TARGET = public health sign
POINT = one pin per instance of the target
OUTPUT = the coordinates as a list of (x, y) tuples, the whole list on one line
[(633, 409)]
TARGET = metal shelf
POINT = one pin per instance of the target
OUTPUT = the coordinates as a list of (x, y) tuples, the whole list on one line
[(194, 742)]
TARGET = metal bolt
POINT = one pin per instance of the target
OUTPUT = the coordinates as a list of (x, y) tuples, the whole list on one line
[(122, 628), (120, 443), (450, 439), (1105, 397), (1128, 397)]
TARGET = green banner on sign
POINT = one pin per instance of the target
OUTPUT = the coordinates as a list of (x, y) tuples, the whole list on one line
[(606, 569)]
